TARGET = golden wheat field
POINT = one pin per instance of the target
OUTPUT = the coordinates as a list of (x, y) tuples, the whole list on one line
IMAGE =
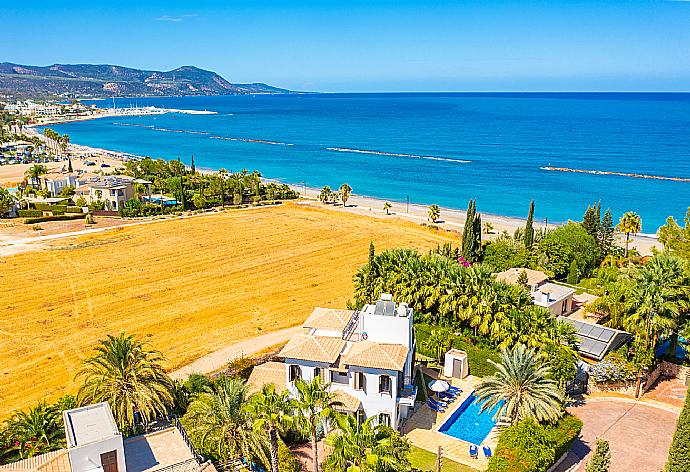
[(189, 286)]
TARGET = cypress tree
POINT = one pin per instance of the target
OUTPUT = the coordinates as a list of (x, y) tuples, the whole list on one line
[(467, 233), (477, 233), (69, 166), (590, 222), (573, 273), (528, 236), (193, 167), (606, 234), (601, 460), (372, 273)]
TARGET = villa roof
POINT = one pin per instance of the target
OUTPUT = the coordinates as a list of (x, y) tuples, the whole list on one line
[(55, 461), (511, 276), (313, 348), (376, 355), (350, 404), (268, 373), (556, 293), (328, 319)]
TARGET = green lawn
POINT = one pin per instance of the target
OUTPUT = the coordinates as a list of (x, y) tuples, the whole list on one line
[(426, 462)]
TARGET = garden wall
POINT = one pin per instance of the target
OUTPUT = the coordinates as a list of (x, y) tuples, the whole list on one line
[(667, 370)]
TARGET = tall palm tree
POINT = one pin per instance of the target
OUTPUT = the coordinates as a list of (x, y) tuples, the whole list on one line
[(654, 303), (325, 194), (630, 223), (35, 431), (35, 172), (345, 192), (218, 419), (314, 404), (438, 342), (272, 412), (365, 447), (130, 377), (434, 212), (521, 388)]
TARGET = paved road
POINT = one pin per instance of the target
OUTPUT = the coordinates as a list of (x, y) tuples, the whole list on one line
[(217, 360)]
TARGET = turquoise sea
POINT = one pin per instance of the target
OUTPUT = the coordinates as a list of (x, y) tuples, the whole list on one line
[(434, 148)]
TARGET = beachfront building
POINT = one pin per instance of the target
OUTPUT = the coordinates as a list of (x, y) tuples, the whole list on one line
[(558, 299), (366, 355), (113, 190), (94, 444), (55, 182)]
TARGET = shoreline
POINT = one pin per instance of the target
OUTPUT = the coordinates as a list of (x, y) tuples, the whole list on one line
[(359, 203), (111, 113)]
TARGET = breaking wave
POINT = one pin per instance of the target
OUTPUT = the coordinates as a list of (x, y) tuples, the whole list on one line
[(397, 154)]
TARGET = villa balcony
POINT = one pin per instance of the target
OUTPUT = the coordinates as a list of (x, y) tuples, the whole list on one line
[(408, 395)]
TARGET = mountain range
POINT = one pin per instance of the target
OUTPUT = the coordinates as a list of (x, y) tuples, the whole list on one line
[(105, 80)]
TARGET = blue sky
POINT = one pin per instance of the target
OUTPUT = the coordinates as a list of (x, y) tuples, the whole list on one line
[(351, 45)]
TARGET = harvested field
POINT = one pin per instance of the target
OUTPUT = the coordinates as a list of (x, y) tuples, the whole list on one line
[(190, 286)]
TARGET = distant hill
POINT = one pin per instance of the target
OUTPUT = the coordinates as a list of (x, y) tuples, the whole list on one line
[(104, 80)]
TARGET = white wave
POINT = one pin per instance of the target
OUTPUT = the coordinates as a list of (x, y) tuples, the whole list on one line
[(397, 154)]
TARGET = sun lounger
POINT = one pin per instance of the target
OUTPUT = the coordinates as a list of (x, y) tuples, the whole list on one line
[(439, 402), (447, 396), (435, 406), (454, 390), (474, 452), (487, 451)]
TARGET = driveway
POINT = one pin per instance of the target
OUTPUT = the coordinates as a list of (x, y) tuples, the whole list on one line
[(639, 435)]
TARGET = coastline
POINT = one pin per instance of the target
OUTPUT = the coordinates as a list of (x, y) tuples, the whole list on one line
[(359, 203)]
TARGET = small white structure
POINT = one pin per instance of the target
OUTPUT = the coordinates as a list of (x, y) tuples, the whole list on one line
[(93, 440), (558, 299), (456, 365)]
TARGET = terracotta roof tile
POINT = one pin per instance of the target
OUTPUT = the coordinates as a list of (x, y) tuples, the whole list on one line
[(376, 355), (328, 318), (313, 348), (510, 276), (350, 404), (268, 373), (55, 461)]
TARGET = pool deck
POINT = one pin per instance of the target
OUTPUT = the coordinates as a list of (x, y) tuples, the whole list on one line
[(422, 429)]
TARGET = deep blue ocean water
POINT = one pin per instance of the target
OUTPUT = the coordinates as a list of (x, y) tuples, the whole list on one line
[(485, 146)]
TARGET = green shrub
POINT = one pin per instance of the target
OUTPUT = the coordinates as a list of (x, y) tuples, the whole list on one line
[(601, 460), (73, 209), (679, 454), (30, 221), (29, 213), (287, 462), (49, 207), (531, 447)]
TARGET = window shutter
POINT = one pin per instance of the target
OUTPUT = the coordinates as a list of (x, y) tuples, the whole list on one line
[(357, 380)]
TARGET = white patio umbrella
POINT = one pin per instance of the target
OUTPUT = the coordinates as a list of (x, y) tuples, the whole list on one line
[(438, 386)]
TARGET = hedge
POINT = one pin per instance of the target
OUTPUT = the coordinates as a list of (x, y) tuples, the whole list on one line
[(31, 221), (73, 209), (48, 207), (679, 454), (29, 213), (531, 447)]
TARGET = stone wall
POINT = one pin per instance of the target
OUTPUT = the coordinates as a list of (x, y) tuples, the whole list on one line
[(626, 388), (666, 370)]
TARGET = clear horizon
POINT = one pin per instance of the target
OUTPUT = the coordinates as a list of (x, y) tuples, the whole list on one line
[(376, 46)]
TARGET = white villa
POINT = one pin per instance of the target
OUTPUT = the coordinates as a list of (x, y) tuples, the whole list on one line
[(94, 444), (367, 356), (558, 299), (113, 190)]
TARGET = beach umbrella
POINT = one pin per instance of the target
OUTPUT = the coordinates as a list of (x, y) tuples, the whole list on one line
[(438, 386)]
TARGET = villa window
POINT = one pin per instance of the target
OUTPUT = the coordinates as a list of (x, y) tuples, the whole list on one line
[(295, 373), (320, 373), (564, 306), (361, 417), (360, 381), (385, 384), (385, 419)]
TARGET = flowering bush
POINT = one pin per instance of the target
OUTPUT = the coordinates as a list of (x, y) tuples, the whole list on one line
[(614, 368)]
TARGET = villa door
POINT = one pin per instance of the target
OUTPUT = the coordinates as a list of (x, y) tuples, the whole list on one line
[(109, 461), (457, 368)]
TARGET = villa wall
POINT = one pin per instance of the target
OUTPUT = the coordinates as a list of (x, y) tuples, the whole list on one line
[(667, 370), (626, 388)]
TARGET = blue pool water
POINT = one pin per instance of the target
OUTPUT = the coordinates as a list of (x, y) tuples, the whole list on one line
[(468, 424), (435, 147)]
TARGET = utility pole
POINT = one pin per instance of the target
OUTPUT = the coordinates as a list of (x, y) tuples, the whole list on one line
[(407, 197), (439, 459)]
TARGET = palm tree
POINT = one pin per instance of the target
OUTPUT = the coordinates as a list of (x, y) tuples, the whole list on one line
[(35, 172), (630, 223), (654, 303), (520, 388), (488, 227), (325, 194), (36, 431), (222, 425), (272, 412), (438, 342), (345, 192), (365, 447), (387, 207), (314, 404), (434, 212), (130, 377)]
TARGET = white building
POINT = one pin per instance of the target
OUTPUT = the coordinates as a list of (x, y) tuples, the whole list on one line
[(113, 190), (366, 355), (558, 299), (94, 444)]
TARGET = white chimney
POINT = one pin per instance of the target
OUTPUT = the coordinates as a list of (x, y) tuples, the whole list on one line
[(545, 297)]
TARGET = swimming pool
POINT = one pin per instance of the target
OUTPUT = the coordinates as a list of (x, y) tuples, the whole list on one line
[(468, 424)]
